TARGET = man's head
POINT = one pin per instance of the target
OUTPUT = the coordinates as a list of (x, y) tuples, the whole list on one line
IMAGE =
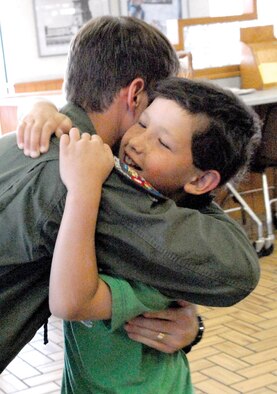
[(194, 136), (108, 53)]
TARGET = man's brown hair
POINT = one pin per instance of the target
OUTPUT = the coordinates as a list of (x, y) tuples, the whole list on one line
[(108, 53)]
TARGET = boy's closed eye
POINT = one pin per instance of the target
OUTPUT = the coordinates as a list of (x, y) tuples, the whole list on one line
[(164, 144), (142, 125)]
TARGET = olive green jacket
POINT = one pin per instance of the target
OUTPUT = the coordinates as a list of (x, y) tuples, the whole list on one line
[(198, 255)]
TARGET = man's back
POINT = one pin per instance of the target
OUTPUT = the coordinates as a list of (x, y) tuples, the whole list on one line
[(31, 193)]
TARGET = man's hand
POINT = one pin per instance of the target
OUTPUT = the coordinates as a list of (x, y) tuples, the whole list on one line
[(168, 331), (35, 129)]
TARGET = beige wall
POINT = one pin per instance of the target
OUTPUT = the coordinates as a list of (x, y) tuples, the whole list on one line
[(19, 36)]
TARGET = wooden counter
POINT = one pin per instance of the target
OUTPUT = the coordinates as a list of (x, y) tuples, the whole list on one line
[(9, 106)]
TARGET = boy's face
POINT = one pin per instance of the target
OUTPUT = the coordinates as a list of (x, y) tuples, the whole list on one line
[(159, 146)]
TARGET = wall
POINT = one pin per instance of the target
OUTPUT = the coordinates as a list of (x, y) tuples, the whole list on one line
[(20, 44), (198, 8)]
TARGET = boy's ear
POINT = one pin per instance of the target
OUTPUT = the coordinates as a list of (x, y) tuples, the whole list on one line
[(203, 183)]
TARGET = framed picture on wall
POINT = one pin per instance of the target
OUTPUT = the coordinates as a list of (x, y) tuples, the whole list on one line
[(155, 12), (158, 1), (57, 21)]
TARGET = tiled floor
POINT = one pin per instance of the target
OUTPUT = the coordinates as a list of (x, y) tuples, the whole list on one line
[(38, 367), (237, 355), (239, 351)]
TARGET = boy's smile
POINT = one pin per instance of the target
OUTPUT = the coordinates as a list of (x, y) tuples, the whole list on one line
[(130, 162)]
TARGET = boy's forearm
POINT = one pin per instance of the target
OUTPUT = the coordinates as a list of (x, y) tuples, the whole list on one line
[(74, 277)]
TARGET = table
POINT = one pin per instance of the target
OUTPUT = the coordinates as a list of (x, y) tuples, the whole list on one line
[(258, 97)]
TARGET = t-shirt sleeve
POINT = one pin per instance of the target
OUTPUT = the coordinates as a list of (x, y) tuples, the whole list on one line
[(130, 299)]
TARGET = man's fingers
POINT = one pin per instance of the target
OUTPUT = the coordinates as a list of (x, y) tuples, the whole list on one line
[(46, 133), (150, 328), (35, 141), (159, 340), (33, 137), (162, 347), (167, 314), (27, 138), (59, 132), (147, 326), (65, 125), (184, 303), (185, 310)]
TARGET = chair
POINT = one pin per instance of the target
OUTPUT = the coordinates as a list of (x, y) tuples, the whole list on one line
[(258, 62), (265, 157), (186, 64)]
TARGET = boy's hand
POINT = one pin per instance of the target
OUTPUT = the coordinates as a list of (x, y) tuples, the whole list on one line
[(85, 162), (178, 328), (35, 129)]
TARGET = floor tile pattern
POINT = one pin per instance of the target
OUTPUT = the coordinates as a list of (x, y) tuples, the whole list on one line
[(237, 355)]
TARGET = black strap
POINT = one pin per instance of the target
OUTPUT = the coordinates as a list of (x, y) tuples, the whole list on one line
[(201, 329), (45, 332)]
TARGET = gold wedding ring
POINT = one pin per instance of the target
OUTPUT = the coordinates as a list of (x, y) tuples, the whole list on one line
[(160, 336)]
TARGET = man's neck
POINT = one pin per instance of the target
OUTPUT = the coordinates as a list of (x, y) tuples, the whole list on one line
[(107, 124)]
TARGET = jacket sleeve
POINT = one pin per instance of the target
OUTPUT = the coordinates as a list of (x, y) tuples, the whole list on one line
[(201, 256), (32, 199)]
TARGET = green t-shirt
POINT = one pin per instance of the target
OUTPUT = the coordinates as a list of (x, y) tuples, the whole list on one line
[(100, 358)]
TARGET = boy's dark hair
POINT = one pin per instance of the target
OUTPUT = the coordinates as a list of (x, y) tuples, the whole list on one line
[(108, 53), (233, 129)]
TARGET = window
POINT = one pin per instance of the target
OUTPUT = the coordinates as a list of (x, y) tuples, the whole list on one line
[(3, 70)]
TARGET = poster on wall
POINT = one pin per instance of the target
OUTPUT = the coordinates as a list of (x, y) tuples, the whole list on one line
[(158, 1), (155, 12), (57, 21)]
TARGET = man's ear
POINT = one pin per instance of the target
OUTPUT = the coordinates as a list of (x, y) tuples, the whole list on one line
[(203, 183), (135, 94)]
